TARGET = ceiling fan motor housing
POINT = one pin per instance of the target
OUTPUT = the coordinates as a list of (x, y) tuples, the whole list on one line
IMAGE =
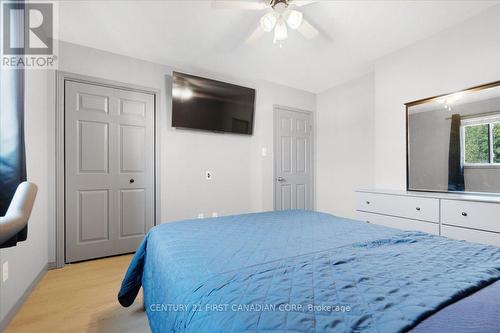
[(279, 5)]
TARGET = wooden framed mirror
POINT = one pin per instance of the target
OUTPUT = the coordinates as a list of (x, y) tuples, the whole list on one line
[(453, 141)]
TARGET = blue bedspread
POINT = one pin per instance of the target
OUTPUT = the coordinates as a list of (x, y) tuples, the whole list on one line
[(299, 271)]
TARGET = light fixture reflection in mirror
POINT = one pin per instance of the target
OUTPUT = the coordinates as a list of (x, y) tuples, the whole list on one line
[(449, 100)]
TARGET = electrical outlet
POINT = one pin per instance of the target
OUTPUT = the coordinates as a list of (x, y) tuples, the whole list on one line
[(200, 215), (5, 271), (215, 214), (208, 175)]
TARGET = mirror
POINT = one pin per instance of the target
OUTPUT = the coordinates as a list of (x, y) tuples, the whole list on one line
[(453, 142)]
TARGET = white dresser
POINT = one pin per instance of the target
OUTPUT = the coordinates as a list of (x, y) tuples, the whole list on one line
[(475, 218)]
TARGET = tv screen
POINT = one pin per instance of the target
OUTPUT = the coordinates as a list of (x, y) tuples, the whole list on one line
[(211, 105)]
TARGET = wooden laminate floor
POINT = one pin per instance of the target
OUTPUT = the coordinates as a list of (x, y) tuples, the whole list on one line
[(81, 298)]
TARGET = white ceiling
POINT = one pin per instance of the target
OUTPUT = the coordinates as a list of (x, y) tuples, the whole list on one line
[(190, 34)]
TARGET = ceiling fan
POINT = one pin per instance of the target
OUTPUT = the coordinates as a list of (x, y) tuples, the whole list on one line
[(281, 17)]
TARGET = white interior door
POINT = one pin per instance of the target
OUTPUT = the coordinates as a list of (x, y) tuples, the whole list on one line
[(109, 170), (293, 160)]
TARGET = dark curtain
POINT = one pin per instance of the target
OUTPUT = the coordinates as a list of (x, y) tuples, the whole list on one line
[(455, 168), (12, 154)]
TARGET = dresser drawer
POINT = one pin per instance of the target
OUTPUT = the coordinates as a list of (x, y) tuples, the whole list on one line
[(470, 235), (426, 209), (400, 223), (477, 215)]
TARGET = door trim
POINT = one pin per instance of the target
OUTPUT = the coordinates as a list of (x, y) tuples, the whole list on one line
[(61, 78), (313, 149)]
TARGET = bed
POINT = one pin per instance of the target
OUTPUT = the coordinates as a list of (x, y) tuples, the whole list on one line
[(303, 271)]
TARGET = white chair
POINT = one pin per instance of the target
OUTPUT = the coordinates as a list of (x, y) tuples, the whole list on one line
[(19, 211)]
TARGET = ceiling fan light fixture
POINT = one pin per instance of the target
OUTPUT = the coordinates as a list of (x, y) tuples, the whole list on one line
[(280, 31), (268, 21), (294, 19)]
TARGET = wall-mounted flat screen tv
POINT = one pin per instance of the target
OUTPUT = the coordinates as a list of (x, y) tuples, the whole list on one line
[(205, 104)]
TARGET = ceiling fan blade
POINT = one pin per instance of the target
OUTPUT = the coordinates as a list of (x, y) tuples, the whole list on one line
[(301, 3), (239, 4), (255, 35), (308, 30)]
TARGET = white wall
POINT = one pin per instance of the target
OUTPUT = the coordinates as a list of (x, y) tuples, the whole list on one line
[(30, 257), (345, 135), (242, 178), (463, 56)]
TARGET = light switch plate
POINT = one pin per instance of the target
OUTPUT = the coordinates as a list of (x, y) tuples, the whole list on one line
[(264, 152), (5, 271), (215, 214), (200, 215)]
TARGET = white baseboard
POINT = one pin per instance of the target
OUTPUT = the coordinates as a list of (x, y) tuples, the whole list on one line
[(4, 322), (52, 265)]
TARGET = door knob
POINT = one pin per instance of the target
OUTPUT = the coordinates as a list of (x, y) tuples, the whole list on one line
[(131, 181), (280, 179)]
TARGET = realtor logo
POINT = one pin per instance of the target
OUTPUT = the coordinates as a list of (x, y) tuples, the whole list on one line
[(27, 31), (27, 28)]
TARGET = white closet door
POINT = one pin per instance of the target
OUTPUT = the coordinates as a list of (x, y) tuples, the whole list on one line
[(109, 162), (293, 160)]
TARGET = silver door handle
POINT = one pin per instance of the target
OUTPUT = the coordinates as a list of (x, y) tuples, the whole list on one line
[(281, 179)]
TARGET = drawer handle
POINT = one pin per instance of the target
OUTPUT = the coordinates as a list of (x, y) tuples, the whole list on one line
[(418, 208), (464, 214), (368, 202)]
